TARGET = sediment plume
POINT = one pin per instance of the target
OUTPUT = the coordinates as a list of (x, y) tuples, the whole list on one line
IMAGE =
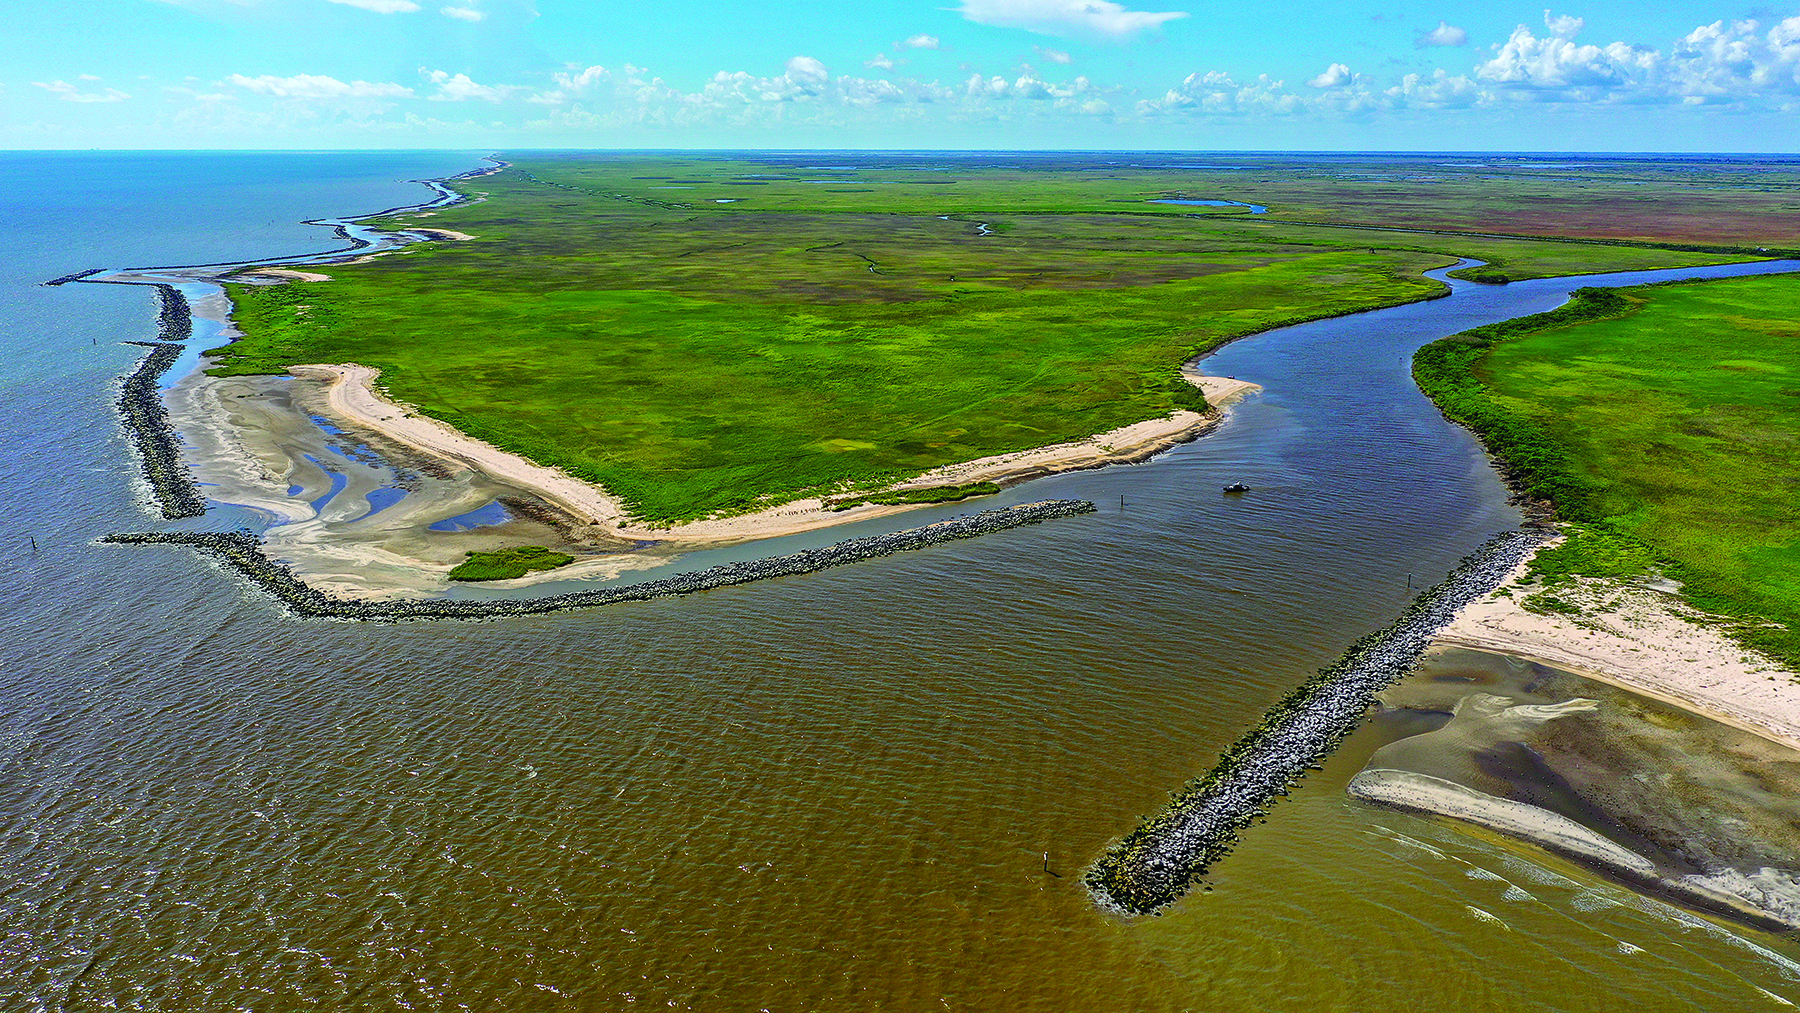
[(243, 552), (1156, 864)]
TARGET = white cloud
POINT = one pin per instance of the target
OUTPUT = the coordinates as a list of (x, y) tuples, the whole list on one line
[(1720, 63), (918, 42), (70, 93), (318, 86), (1066, 17), (1716, 64), (1445, 34), (1218, 93), (1340, 93), (463, 13), (881, 62), (381, 6), (1562, 25), (1558, 68), (459, 88), (1438, 91), (583, 79), (1029, 87), (1054, 55), (1335, 76), (805, 90)]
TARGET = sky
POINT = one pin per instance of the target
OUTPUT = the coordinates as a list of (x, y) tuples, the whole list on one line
[(1599, 75)]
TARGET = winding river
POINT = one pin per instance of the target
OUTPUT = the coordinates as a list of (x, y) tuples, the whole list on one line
[(866, 788)]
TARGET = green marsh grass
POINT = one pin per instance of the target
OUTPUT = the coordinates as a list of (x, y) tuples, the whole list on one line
[(508, 564), (701, 359), (1665, 421)]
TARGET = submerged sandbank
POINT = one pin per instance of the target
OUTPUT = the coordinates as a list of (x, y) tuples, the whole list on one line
[(1635, 786), (1641, 638)]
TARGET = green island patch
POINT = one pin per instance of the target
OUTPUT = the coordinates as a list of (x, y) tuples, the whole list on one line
[(508, 564), (931, 494)]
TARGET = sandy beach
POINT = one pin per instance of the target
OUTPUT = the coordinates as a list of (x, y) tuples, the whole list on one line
[(1644, 640), (352, 398)]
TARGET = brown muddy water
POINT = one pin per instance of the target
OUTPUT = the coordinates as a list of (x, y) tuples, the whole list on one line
[(832, 792)]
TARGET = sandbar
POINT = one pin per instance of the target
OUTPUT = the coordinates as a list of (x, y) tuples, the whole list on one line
[(353, 398), (1642, 639)]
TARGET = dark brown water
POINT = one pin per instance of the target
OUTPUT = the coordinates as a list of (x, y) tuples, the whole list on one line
[(832, 792)]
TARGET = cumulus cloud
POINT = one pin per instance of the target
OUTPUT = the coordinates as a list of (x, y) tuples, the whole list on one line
[(459, 88), (318, 86), (881, 62), (1725, 63), (1054, 55), (1556, 67), (1218, 93), (1438, 90), (381, 6), (1735, 63), (1562, 25), (463, 13), (1338, 93), (805, 90), (1445, 34), (1335, 76), (918, 42), (70, 93), (584, 78), (1101, 18)]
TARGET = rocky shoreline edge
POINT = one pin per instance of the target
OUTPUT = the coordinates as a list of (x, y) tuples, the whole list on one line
[(1156, 864), (146, 418), (243, 552)]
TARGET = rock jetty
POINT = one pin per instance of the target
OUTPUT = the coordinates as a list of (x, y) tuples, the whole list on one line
[(243, 552), (77, 276), (146, 420), (174, 318), (1157, 863)]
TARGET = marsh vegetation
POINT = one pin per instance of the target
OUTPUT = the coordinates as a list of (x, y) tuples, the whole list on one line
[(834, 330), (1662, 421)]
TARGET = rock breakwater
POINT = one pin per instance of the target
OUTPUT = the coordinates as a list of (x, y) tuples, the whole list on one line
[(243, 552), (77, 276), (174, 318), (146, 420), (1157, 863)]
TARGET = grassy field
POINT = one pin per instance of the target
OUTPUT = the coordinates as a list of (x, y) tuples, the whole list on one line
[(712, 334), (1666, 421), (508, 564)]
